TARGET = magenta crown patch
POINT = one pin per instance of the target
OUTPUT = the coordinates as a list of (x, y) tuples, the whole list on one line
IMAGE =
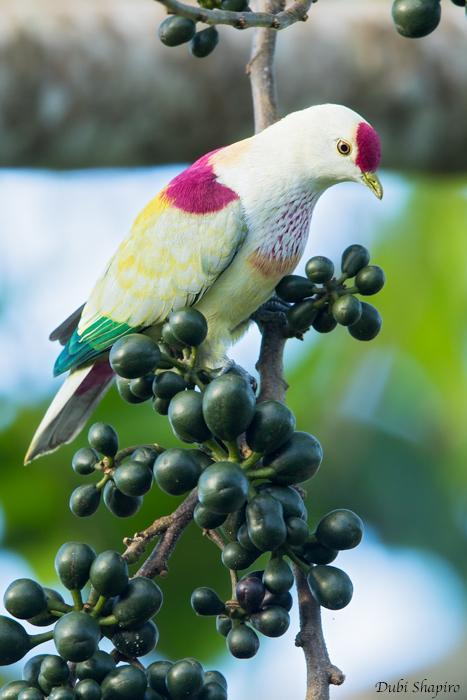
[(368, 148), (197, 191)]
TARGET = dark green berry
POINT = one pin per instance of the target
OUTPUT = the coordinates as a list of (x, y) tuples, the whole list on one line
[(134, 355), (265, 520), (84, 500), (186, 417), (32, 668), (76, 636), (73, 563), (24, 598), (141, 599), (62, 693), (369, 324), (184, 678), (250, 592), (236, 557), (124, 683), (234, 5), (278, 577), (145, 455), (215, 677), (176, 472), (123, 388), (272, 425), (295, 461), (45, 618), (204, 42), (274, 621), (157, 673), (292, 502), (31, 694), (84, 461), (55, 670), (142, 386), (228, 406), (340, 529), (97, 667), (319, 269), (370, 280), (207, 519), (242, 642), (109, 574), (244, 538), (88, 689), (294, 288), (137, 641), (212, 691), (223, 487), (283, 600), (11, 690), (133, 478), (205, 601), (167, 384), (297, 531), (161, 406), (353, 259), (324, 321), (416, 18), (188, 325), (223, 625), (104, 439), (118, 503), (14, 641), (347, 310), (330, 586), (313, 552)]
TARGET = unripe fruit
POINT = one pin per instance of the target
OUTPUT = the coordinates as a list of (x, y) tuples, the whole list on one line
[(235, 557), (302, 315), (109, 574), (104, 439), (145, 455), (347, 310), (157, 673), (354, 258), (242, 642), (215, 677), (24, 598), (137, 641), (294, 288), (207, 519), (274, 621), (14, 641), (186, 417), (45, 618), (11, 690), (212, 691), (223, 625), (84, 500), (84, 461), (283, 600), (161, 406), (330, 586), (73, 563), (118, 503), (61, 693), (133, 478), (167, 384), (124, 683), (244, 538), (141, 599), (295, 461), (297, 531), (340, 529), (370, 280), (228, 406), (88, 689), (204, 42), (30, 694), (324, 321), (265, 521), (272, 425), (123, 388), (223, 487), (313, 552), (31, 669), (319, 269), (184, 678), (188, 325), (134, 355), (97, 667), (292, 502), (176, 472), (369, 324), (416, 18), (142, 386), (76, 636), (55, 670), (205, 601), (278, 577)]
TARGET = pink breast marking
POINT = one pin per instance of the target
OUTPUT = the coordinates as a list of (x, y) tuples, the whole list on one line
[(197, 191), (369, 148)]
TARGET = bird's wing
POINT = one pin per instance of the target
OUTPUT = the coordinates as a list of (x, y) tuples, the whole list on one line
[(169, 260)]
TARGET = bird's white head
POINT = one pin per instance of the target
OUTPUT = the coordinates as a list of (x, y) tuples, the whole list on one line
[(328, 144)]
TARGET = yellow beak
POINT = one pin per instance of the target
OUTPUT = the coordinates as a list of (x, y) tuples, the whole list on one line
[(371, 180)]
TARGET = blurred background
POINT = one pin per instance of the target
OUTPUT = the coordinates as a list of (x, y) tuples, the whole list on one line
[(95, 116)]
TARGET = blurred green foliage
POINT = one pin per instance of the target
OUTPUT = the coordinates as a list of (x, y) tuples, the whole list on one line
[(390, 415)]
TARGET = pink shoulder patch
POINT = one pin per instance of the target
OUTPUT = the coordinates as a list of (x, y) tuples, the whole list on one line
[(197, 191), (369, 148)]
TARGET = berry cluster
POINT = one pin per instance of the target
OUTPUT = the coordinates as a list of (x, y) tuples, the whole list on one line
[(322, 301), (262, 598), (418, 18), (175, 31)]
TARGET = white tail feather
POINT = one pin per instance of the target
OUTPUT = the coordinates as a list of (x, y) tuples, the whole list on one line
[(70, 408)]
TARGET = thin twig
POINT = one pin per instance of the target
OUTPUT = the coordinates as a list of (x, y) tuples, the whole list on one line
[(217, 539), (297, 12)]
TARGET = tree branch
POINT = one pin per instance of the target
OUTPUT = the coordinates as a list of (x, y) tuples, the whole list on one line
[(297, 12), (168, 528), (320, 672)]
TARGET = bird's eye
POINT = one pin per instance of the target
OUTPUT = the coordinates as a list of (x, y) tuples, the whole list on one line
[(343, 147)]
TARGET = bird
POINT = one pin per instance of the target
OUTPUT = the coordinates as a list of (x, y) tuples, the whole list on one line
[(218, 237)]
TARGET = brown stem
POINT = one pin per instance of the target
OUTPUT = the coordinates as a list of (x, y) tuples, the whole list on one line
[(320, 672), (168, 529), (282, 19)]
